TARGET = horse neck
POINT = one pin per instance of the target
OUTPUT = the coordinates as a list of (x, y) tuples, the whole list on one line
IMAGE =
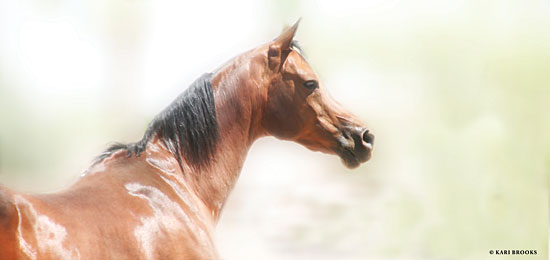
[(238, 110), (238, 104)]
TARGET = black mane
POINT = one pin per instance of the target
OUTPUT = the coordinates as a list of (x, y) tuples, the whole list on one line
[(188, 126), (295, 45)]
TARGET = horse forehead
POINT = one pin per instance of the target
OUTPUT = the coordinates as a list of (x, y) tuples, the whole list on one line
[(296, 64)]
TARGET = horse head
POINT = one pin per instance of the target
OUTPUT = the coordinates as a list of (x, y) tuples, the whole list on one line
[(299, 108)]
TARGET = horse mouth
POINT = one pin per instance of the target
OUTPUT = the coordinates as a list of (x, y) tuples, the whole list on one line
[(352, 158)]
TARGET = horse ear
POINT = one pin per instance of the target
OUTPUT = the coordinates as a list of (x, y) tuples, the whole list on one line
[(285, 39), (280, 45)]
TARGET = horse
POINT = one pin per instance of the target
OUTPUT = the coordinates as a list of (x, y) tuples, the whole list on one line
[(161, 197)]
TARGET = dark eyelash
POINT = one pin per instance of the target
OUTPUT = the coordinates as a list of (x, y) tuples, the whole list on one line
[(311, 84)]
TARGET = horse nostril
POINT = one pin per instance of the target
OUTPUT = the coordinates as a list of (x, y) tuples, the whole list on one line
[(368, 137)]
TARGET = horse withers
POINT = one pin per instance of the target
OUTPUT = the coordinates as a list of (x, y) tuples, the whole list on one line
[(160, 198)]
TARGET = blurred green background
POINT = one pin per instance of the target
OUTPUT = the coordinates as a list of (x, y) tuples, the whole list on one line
[(457, 93)]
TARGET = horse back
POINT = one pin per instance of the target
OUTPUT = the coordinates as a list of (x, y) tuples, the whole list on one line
[(8, 225)]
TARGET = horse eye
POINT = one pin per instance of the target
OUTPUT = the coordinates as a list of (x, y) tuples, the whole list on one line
[(310, 85)]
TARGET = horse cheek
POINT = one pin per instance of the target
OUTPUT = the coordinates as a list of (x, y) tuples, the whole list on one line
[(280, 120)]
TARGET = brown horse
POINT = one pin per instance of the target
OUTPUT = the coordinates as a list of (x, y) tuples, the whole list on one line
[(160, 198)]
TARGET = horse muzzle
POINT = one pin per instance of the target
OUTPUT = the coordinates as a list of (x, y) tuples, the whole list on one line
[(356, 144)]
